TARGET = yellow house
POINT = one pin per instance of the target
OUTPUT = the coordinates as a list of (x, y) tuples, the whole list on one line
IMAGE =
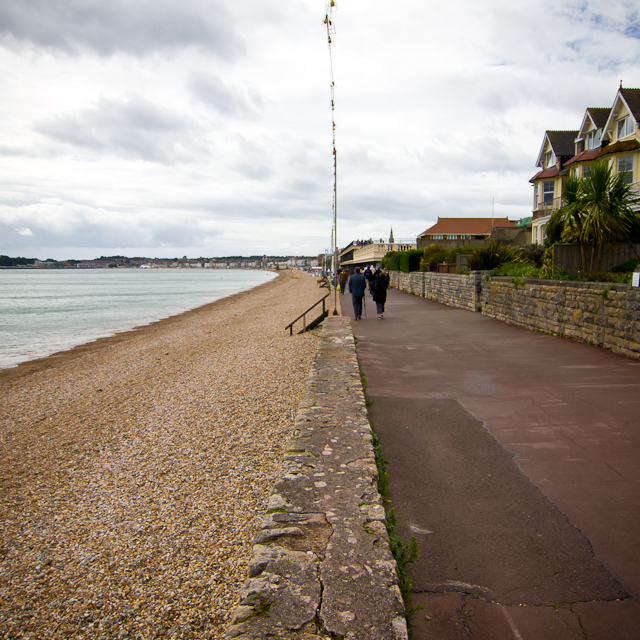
[(558, 147), (605, 133)]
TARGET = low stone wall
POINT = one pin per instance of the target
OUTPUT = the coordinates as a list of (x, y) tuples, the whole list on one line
[(598, 313), (455, 290), (322, 566)]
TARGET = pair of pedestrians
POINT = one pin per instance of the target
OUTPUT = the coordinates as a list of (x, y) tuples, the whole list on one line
[(378, 285)]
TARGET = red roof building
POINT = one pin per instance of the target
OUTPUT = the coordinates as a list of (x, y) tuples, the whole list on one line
[(458, 232)]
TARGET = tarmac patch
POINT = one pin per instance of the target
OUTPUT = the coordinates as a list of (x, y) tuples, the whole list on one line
[(477, 518)]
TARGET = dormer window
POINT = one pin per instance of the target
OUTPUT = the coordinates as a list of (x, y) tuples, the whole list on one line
[(549, 160), (593, 139), (625, 127)]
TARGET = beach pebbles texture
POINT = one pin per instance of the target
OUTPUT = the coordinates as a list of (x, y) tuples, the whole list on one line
[(134, 470)]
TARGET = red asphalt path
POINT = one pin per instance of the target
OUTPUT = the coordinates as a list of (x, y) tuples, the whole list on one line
[(570, 412)]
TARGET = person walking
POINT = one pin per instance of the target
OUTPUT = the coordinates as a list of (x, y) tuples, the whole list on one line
[(357, 286), (368, 274), (379, 285), (343, 278)]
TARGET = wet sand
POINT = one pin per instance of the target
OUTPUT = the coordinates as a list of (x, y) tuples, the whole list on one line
[(133, 469)]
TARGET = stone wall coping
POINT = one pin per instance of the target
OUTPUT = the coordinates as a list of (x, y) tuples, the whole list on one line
[(321, 564), (574, 284)]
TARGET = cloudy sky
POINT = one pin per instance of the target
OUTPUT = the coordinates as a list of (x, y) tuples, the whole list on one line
[(203, 128)]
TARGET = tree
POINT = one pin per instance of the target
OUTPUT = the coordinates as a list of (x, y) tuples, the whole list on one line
[(607, 200), (597, 209), (571, 214)]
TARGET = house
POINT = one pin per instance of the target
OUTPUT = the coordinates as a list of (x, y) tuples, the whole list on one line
[(463, 232), (605, 133)]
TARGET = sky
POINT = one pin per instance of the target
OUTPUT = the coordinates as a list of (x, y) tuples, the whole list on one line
[(203, 128)]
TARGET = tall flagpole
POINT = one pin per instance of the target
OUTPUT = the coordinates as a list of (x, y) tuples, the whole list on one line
[(328, 21)]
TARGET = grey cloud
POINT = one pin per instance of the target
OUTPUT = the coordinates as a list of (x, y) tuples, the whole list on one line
[(210, 90), (133, 127), (32, 235), (109, 26)]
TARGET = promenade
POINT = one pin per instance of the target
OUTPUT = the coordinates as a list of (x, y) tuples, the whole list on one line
[(513, 460)]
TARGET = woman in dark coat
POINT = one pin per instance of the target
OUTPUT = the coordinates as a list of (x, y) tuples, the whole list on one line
[(379, 284)]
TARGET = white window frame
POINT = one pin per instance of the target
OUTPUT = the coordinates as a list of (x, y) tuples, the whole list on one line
[(624, 127), (593, 139), (546, 192), (549, 160), (625, 165)]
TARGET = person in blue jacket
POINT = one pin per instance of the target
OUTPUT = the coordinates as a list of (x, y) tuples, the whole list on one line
[(357, 286)]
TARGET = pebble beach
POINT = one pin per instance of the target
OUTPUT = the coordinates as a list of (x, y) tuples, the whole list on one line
[(134, 469)]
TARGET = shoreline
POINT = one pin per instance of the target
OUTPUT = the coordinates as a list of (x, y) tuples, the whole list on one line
[(45, 361), (134, 469)]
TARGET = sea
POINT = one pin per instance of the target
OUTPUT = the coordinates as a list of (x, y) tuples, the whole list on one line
[(43, 311)]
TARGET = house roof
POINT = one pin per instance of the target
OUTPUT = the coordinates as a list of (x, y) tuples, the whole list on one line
[(585, 156), (546, 173), (632, 98), (599, 115), (619, 147), (467, 226), (562, 143)]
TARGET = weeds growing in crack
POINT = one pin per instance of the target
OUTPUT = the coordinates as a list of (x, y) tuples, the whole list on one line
[(404, 554)]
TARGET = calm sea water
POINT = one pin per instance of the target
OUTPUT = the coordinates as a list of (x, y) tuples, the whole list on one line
[(45, 311)]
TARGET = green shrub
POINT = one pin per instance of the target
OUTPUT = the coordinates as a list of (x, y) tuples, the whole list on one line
[(629, 265), (435, 254), (410, 260), (532, 253), (492, 256), (391, 261), (519, 270)]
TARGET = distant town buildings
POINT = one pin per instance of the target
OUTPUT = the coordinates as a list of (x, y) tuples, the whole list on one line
[(121, 262)]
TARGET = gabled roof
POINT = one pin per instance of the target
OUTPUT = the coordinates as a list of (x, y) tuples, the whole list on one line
[(599, 115), (631, 99), (596, 116), (562, 143), (467, 226)]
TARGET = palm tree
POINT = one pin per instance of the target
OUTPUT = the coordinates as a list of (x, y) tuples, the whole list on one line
[(606, 207), (572, 211)]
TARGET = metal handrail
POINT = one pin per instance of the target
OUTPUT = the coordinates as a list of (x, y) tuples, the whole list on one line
[(325, 313)]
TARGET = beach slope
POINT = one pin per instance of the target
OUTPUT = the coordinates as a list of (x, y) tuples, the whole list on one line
[(133, 470)]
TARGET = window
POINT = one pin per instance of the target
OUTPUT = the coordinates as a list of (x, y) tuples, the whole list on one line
[(625, 127), (549, 159), (586, 171), (593, 139), (625, 165), (452, 237), (437, 236), (547, 192)]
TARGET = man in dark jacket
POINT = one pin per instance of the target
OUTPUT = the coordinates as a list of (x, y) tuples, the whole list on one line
[(357, 287)]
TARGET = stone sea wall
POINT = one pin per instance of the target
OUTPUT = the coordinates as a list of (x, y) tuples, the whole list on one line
[(455, 290), (607, 315), (322, 566)]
